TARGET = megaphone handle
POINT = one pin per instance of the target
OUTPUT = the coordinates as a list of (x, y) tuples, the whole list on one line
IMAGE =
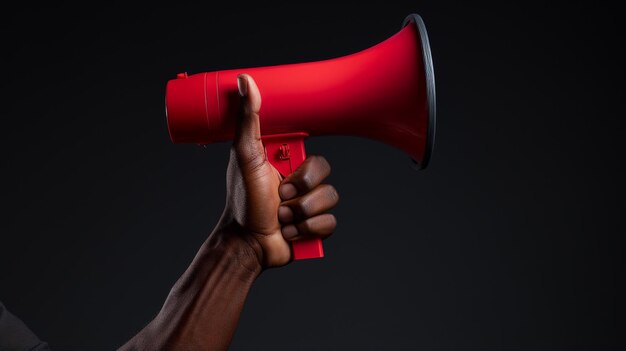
[(286, 152)]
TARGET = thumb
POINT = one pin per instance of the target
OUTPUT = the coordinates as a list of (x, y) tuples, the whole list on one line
[(247, 141)]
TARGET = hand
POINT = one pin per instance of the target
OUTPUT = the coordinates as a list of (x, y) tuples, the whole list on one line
[(263, 213), (263, 208)]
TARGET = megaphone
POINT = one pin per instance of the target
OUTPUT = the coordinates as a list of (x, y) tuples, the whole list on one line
[(385, 93)]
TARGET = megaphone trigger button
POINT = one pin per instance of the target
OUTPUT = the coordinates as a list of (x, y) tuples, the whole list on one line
[(182, 75), (285, 152)]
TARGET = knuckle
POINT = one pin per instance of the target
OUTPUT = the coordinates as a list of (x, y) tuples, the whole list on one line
[(250, 162), (314, 159), (331, 193), (320, 164), (303, 207), (332, 222), (306, 179), (241, 149), (324, 164), (307, 227)]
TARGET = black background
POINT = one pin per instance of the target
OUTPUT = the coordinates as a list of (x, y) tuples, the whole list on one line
[(513, 238)]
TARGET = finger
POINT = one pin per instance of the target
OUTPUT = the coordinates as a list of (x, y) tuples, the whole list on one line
[(306, 177), (321, 226), (247, 141), (319, 200)]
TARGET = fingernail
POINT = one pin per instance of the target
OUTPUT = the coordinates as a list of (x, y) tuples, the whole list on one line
[(242, 85), (285, 214), (287, 191), (290, 231)]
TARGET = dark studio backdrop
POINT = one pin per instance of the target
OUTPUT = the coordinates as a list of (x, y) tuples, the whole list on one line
[(512, 238)]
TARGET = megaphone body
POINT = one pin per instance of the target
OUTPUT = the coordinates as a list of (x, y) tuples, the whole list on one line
[(385, 93)]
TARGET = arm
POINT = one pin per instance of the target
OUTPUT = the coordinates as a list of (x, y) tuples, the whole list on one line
[(263, 213), (203, 307)]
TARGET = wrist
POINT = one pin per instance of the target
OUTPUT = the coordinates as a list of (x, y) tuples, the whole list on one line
[(237, 243)]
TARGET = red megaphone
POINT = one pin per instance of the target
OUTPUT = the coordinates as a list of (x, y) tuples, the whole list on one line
[(385, 93)]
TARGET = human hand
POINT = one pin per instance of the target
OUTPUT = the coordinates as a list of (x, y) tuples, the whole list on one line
[(264, 209), (263, 214)]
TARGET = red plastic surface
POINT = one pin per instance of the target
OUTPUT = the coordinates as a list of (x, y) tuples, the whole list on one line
[(378, 93), (286, 152)]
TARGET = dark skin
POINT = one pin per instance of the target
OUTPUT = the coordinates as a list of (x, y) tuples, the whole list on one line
[(263, 214)]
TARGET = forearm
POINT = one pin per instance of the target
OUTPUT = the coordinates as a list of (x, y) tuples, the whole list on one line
[(203, 308)]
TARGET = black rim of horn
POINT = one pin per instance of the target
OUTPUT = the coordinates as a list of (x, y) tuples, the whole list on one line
[(430, 87)]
